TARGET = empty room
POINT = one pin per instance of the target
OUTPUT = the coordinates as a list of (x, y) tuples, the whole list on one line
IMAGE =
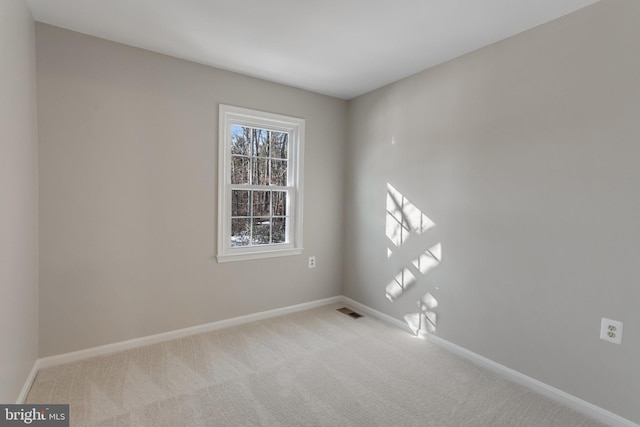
[(336, 213)]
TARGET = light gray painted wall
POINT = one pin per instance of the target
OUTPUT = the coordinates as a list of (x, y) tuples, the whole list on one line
[(18, 199), (526, 155), (128, 175)]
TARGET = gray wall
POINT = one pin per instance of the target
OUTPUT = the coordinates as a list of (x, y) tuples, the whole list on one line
[(128, 208), (526, 155), (18, 199)]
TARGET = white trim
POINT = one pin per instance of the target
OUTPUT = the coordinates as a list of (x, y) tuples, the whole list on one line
[(377, 314), (257, 255), (229, 115), (28, 383), (539, 387), (60, 359)]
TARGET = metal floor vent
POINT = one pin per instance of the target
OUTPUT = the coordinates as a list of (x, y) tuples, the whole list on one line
[(350, 312)]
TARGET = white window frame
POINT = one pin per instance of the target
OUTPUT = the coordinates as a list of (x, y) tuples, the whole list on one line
[(229, 116)]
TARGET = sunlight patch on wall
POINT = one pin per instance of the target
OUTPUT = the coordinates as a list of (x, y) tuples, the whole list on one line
[(429, 260), (424, 321), (400, 283), (403, 218)]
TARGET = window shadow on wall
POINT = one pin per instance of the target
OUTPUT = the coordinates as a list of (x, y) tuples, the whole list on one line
[(404, 219)]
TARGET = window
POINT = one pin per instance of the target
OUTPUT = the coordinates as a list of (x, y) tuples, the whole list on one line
[(260, 184)]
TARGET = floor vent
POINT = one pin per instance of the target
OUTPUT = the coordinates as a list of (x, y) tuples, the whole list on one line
[(350, 312)]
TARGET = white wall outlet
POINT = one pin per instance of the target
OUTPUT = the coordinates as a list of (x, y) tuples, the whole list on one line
[(312, 262), (611, 330)]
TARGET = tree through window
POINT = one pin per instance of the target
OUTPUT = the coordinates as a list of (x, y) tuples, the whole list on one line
[(260, 191)]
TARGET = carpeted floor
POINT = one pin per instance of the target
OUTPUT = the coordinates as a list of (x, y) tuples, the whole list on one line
[(313, 368)]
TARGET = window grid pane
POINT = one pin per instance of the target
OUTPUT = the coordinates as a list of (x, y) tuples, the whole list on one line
[(279, 230), (240, 169), (259, 171), (240, 143), (259, 176), (280, 146), (259, 156), (240, 232), (256, 142), (261, 231), (240, 203), (279, 203), (261, 203), (259, 217)]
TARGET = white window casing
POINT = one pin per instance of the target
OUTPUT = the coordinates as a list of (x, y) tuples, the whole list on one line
[(265, 229)]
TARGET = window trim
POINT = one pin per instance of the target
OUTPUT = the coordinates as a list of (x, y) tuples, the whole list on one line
[(231, 115)]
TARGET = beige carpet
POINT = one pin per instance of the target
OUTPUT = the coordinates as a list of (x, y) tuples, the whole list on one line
[(313, 368)]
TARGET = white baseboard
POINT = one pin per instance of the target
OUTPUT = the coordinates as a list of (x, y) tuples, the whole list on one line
[(553, 393), (27, 384), (539, 387), (59, 359), (377, 314)]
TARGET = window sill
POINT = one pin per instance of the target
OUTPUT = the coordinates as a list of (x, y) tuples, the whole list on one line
[(244, 256)]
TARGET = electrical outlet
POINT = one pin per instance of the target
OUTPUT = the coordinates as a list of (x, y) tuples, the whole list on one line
[(611, 330), (312, 262)]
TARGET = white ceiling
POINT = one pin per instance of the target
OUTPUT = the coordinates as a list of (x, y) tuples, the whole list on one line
[(342, 48)]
